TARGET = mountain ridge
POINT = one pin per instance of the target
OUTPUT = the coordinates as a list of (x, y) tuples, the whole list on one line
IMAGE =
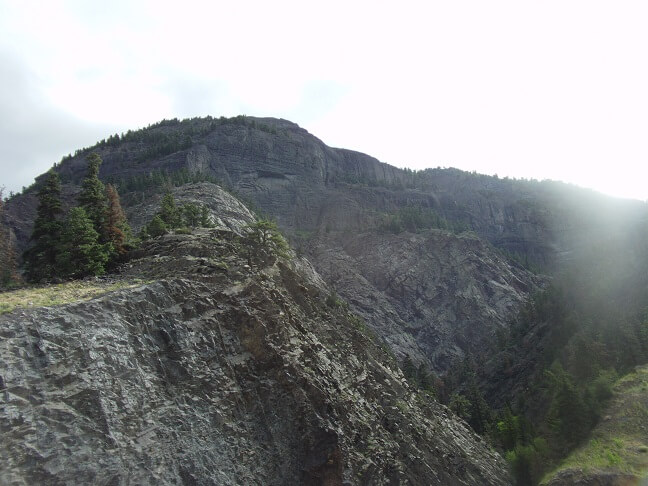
[(215, 372), (448, 268), (317, 193)]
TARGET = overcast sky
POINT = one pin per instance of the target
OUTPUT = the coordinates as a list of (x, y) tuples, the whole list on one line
[(535, 89)]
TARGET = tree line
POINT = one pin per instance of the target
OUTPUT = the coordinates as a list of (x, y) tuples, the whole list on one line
[(8, 258), (179, 218), (415, 219), (90, 238), (580, 358)]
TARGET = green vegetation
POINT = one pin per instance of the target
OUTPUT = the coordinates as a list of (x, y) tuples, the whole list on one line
[(264, 243), (64, 293), (40, 258), (93, 194), (169, 213), (166, 137), (420, 376), (8, 262), (619, 444), (156, 181), (335, 302), (416, 219), (582, 352), (156, 227), (79, 251), (181, 219), (408, 180), (89, 238)]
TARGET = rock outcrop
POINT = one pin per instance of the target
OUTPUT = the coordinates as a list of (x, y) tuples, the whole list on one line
[(217, 373), (330, 202), (434, 296)]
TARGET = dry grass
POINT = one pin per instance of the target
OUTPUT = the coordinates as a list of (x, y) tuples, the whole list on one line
[(59, 294)]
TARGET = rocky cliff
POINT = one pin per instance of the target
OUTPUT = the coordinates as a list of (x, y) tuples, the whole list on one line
[(213, 372), (306, 185), (434, 296), (433, 305), (438, 292)]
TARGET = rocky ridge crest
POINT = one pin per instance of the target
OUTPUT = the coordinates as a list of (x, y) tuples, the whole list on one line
[(217, 373)]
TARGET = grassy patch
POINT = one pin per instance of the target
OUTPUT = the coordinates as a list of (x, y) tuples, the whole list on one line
[(59, 294), (402, 406), (620, 442)]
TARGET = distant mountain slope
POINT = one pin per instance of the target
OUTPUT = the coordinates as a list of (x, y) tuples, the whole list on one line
[(326, 198), (307, 185), (433, 296), (487, 281)]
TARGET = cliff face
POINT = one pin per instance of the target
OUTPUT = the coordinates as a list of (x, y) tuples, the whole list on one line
[(435, 295), (306, 185), (217, 373)]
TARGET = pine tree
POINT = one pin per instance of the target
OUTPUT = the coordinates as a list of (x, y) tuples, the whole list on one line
[(568, 415), (508, 430), (169, 212), (116, 228), (93, 196), (191, 214), (264, 242), (40, 259), (205, 221), (156, 227), (80, 253), (480, 413), (424, 378), (8, 264), (409, 370), (460, 405)]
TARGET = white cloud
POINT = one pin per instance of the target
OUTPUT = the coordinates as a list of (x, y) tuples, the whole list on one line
[(529, 89)]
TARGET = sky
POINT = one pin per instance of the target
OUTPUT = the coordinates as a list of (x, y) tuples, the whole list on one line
[(548, 89)]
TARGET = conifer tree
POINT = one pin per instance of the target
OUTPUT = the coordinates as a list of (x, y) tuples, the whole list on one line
[(409, 370), (156, 227), (264, 242), (480, 413), (205, 222), (568, 414), (117, 229), (93, 196), (191, 214), (40, 259), (79, 252), (424, 378), (169, 212), (8, 264)]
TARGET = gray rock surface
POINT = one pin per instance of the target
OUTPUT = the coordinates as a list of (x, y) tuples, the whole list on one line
[(306, 185), (329, 202), (434, 303), (217, 373), (435, 296)]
